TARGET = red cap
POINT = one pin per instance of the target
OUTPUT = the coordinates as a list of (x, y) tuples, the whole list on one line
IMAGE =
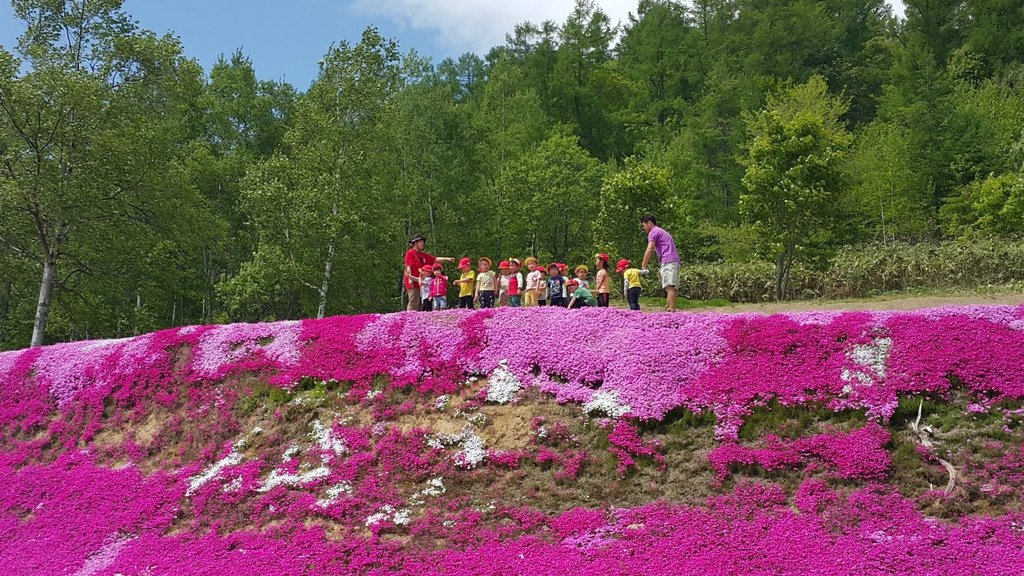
[(504, 264), (553, 265), (622, 265), (603, 256), (561, 267), (439, 266), (572, 283), (465, 263)]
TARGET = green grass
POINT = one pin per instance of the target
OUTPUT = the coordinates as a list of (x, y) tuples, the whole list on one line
[(659, 303)]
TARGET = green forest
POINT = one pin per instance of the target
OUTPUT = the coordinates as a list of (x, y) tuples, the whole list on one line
[(139, 191)]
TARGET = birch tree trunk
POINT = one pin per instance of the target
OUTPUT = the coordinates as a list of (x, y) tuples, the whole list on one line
[(328, 267), (45, 294), (321, 308)]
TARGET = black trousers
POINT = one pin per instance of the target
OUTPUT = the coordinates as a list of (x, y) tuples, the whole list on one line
[(466, 302), (427, 305), (633, 295), (602, 300), (487, 298)]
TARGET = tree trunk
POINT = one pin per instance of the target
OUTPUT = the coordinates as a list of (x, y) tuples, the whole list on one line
[(45, 293), (779, 271), (328, 267), (782, 266), (321, 309)]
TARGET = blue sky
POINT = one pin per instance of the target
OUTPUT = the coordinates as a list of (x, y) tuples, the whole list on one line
[(286, 42)]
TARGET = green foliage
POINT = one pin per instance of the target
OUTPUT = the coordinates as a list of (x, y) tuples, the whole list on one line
[(886, 192), (794, 177), (310, 206), (556, 187), (625, 197), (865, 270), (137, 193), (994, 205), (795, 421)]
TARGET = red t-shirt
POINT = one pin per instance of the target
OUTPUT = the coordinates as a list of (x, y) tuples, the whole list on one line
[(416, 260)]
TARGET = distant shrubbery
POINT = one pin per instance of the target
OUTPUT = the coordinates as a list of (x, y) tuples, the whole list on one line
[(863, 271)]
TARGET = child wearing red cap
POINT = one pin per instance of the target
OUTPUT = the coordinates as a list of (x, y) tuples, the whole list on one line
[(630, 283), (439, 288), (503, 282), (556, 286), (426, 277), (515, 283), (581, 297), (466, 283), (542, 286), (486, 283), (602, 281)]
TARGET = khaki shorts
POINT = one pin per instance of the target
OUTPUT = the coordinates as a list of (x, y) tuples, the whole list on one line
[(670, 275), (530, 298)]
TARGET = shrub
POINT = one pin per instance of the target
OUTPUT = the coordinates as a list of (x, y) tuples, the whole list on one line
[(861, 271)]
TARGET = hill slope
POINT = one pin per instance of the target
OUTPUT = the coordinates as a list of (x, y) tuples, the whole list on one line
[(523, 441)]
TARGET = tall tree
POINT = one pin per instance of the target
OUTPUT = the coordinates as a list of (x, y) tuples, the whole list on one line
[(89, 117), (311, 206), (794, 172), (556, 190)]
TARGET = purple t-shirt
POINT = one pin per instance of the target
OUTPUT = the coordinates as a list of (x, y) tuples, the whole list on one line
[(664, 245)]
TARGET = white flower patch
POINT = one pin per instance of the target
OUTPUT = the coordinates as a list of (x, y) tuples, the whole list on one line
[(870, 359), (327, 441), (333, 493), (606, 403), (279, 478), (401, 517), (290, 453), (502, 385), (443, 402), (435, 487), (473, 451), (372, 394), (233, 458), (387, 512)]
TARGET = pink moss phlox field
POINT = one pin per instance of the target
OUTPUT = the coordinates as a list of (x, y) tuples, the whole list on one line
[(860, 454), (83, 493), (645, 365)]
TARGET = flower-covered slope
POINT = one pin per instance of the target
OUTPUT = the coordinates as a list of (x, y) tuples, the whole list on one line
[(521, 440)]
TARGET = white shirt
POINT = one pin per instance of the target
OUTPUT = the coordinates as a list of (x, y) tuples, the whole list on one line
[(533, 280)]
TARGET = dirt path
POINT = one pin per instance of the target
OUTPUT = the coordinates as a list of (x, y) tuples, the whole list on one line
[(894, 303)]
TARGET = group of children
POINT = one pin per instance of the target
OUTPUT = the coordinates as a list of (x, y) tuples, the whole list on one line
[(488, 289)]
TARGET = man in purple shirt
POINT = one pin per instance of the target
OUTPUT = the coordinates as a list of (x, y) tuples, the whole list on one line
[(660, 241)]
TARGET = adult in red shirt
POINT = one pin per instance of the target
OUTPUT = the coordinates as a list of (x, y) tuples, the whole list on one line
[(415, 259)]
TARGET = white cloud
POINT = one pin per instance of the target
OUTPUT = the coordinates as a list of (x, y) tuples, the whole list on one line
[(478, 25)]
